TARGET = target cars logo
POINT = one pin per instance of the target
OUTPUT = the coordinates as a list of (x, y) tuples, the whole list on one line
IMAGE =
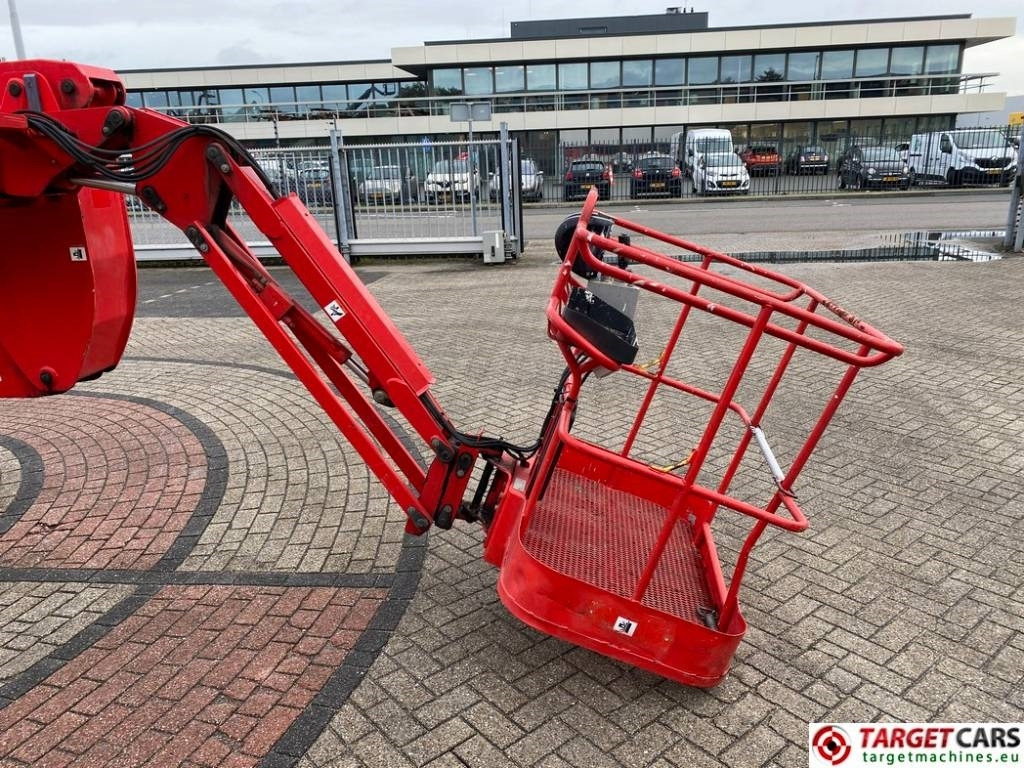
[(886, 744), (830, 744)]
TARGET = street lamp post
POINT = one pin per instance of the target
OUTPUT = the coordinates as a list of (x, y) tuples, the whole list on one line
[(467, 112)]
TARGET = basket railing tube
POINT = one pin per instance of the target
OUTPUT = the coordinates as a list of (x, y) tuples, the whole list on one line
[(776, 299), (849, 327)]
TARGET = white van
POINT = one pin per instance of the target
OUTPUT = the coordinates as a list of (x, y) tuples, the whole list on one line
[(963, 156), (700, 141)]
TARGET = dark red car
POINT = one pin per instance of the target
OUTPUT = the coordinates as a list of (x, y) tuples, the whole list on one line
[(761, 159)]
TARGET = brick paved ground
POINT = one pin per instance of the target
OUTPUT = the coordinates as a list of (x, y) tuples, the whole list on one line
[(195, 569)]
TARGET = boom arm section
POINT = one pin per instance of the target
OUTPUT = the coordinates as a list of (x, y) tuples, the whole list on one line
[(70, 147)]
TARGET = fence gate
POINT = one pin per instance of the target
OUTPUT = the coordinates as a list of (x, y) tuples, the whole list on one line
[(416, 199), (429, 198)]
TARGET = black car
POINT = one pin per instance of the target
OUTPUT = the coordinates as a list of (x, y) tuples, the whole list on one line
[(874, 168), (656, 175), (583, 175), (807, 159)]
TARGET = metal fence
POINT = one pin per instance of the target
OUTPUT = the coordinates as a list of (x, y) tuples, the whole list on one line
[(445, 197), (410, 198), (778, 167)]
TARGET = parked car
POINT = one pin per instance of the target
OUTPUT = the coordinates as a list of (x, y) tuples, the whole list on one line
[(583, 175), (874, 168), (531, 179), (656, 174), (854, 144), (807, 159), (720, 173), (280, 172), (451, 180), (313, 183), (761, 159), (388, 184)]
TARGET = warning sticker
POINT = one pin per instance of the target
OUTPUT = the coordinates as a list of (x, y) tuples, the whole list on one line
[(625, 626), (334, 311), (77, 253)]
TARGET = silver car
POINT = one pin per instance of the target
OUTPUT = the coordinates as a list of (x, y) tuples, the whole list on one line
[(388, 184), (720, 173), (531, 182)]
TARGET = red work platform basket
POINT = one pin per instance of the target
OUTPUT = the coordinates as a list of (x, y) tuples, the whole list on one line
[(610, 549)]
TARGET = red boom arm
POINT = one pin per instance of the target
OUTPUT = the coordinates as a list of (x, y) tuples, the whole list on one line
[(64, 136)]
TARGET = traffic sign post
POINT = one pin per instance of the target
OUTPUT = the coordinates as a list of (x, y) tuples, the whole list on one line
[(467, 112)]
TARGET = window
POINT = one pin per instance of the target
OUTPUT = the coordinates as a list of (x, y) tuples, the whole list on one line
[(156, 99), (572, 77), (282, 94), (735, 69), (897, 129), (872, 62), (702, 71), (636, 135), (605, 74), (770, 67), (447, 82), (257, 97), (335, 94), (359, 93), (796, 134), (509, 79), (604, 136), (942, 59), (803, 66), (907, 61), (637, 73), (478, 81), (309, 98), (233, 105), (836, 65), (411, 92), (540, 77), (669, 72)]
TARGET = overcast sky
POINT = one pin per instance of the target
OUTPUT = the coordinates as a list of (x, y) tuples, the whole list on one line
[(144, 34)]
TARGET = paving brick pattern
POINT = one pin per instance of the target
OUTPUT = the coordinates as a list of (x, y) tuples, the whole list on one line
[(903, 601), (209, 676), (121, 481), (35, 619), (10, 477), (297, 497)]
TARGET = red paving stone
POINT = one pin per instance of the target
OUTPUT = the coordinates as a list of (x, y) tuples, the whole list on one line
[(151, 694), (129, 467)]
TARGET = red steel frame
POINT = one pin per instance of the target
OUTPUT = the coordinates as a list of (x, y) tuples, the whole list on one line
[(625, 607), (192, 190), (669, 638)]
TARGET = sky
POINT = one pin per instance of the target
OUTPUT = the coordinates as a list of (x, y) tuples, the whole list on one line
[(153, 34)]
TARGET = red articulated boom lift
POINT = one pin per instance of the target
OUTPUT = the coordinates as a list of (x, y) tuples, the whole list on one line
[(594, 543)]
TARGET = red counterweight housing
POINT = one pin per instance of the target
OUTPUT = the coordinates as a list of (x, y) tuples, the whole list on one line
[(67, 289)]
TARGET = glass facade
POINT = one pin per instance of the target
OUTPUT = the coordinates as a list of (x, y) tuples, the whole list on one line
[(659, 81)]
